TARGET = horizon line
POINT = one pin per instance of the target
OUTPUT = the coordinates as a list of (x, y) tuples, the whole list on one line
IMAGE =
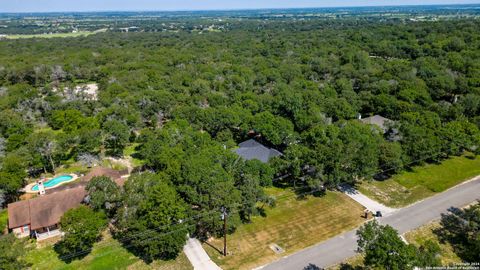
[(233, 9)]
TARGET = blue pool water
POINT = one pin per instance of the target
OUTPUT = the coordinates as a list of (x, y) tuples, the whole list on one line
[(54, 181)]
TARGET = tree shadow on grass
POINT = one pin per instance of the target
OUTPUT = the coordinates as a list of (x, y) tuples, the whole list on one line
[(67, 256), (212, 246), (454, 230)]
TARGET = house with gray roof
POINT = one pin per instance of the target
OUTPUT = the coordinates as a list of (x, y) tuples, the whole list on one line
[(252, 149), (379, 121), (384, 124)]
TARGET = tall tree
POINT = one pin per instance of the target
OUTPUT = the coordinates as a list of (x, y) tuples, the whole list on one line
[(116, 136), (103, 194), (152, 222), (82, 228), (461, 227), (383, 248), (12, 253)]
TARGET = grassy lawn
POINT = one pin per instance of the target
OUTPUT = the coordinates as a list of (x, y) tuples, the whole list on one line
[(350, 264), (76, 168), (3, 220), (130, 152), (424, 233), (107, 254), (422, 182), (293, 224)]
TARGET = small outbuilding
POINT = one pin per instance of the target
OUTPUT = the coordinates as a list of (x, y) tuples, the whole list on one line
[(252, 149)]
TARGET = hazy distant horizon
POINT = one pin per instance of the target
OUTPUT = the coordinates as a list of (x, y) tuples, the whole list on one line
[(45, 6)]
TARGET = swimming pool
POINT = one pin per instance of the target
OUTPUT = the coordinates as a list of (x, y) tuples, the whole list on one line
[(54, 181)]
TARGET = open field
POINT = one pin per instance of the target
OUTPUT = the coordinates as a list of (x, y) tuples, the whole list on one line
[(56, 35), (422, 181), (107, 254), (293, 224), (425, 233)]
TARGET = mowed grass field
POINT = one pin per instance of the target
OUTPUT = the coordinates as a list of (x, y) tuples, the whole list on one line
[(421, 235), (422, 181), (293, 224), (107, 254)]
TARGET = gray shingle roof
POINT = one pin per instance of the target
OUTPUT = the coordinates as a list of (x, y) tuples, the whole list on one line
[(252, 149), (377, 120)]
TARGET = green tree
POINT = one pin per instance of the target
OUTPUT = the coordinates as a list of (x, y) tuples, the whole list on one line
[(12, 175), (391, 157), (44, 146), (116, 136), (82, 227), (384, 249), (461, 228), (104, 194), (151, 221), (346, 152), (12, 253), (275, 129)]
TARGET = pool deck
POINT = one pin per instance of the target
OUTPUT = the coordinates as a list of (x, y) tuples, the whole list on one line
[(29, 187)]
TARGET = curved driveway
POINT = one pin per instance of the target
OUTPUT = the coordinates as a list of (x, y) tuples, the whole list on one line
[(341, 247)]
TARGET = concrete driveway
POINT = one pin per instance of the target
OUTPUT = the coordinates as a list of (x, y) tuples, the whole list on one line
[(368, 203), (197, 256)]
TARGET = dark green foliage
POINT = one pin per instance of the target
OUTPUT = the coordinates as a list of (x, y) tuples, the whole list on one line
[(12, 174), (338, 153), (383, 247), (12, 252), (152, 221), (104, 194), (461, 228), (82, 227), (116, 136)]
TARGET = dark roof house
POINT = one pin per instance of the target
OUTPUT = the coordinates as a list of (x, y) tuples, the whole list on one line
[(252, 149)]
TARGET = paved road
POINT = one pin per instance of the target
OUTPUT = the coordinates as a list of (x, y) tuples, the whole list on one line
[(198, 257), (368, 203), (339, 248)]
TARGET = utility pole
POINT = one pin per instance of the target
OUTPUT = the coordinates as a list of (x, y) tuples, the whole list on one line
[(224, 218)]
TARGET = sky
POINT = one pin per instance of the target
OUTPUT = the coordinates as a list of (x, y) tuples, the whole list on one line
[(170, 5)]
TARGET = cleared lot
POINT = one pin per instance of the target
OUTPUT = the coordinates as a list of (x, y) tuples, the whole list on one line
[(292, 225), (422, 181)]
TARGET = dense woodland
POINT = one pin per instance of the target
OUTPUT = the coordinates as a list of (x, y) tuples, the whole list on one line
[(187, 99)]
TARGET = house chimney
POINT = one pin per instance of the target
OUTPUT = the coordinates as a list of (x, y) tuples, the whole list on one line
[(41, 188)]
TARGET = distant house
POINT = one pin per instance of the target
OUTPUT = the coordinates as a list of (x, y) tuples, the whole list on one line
[(39, 217), (252, 149), (377, 120), (384, 124)]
